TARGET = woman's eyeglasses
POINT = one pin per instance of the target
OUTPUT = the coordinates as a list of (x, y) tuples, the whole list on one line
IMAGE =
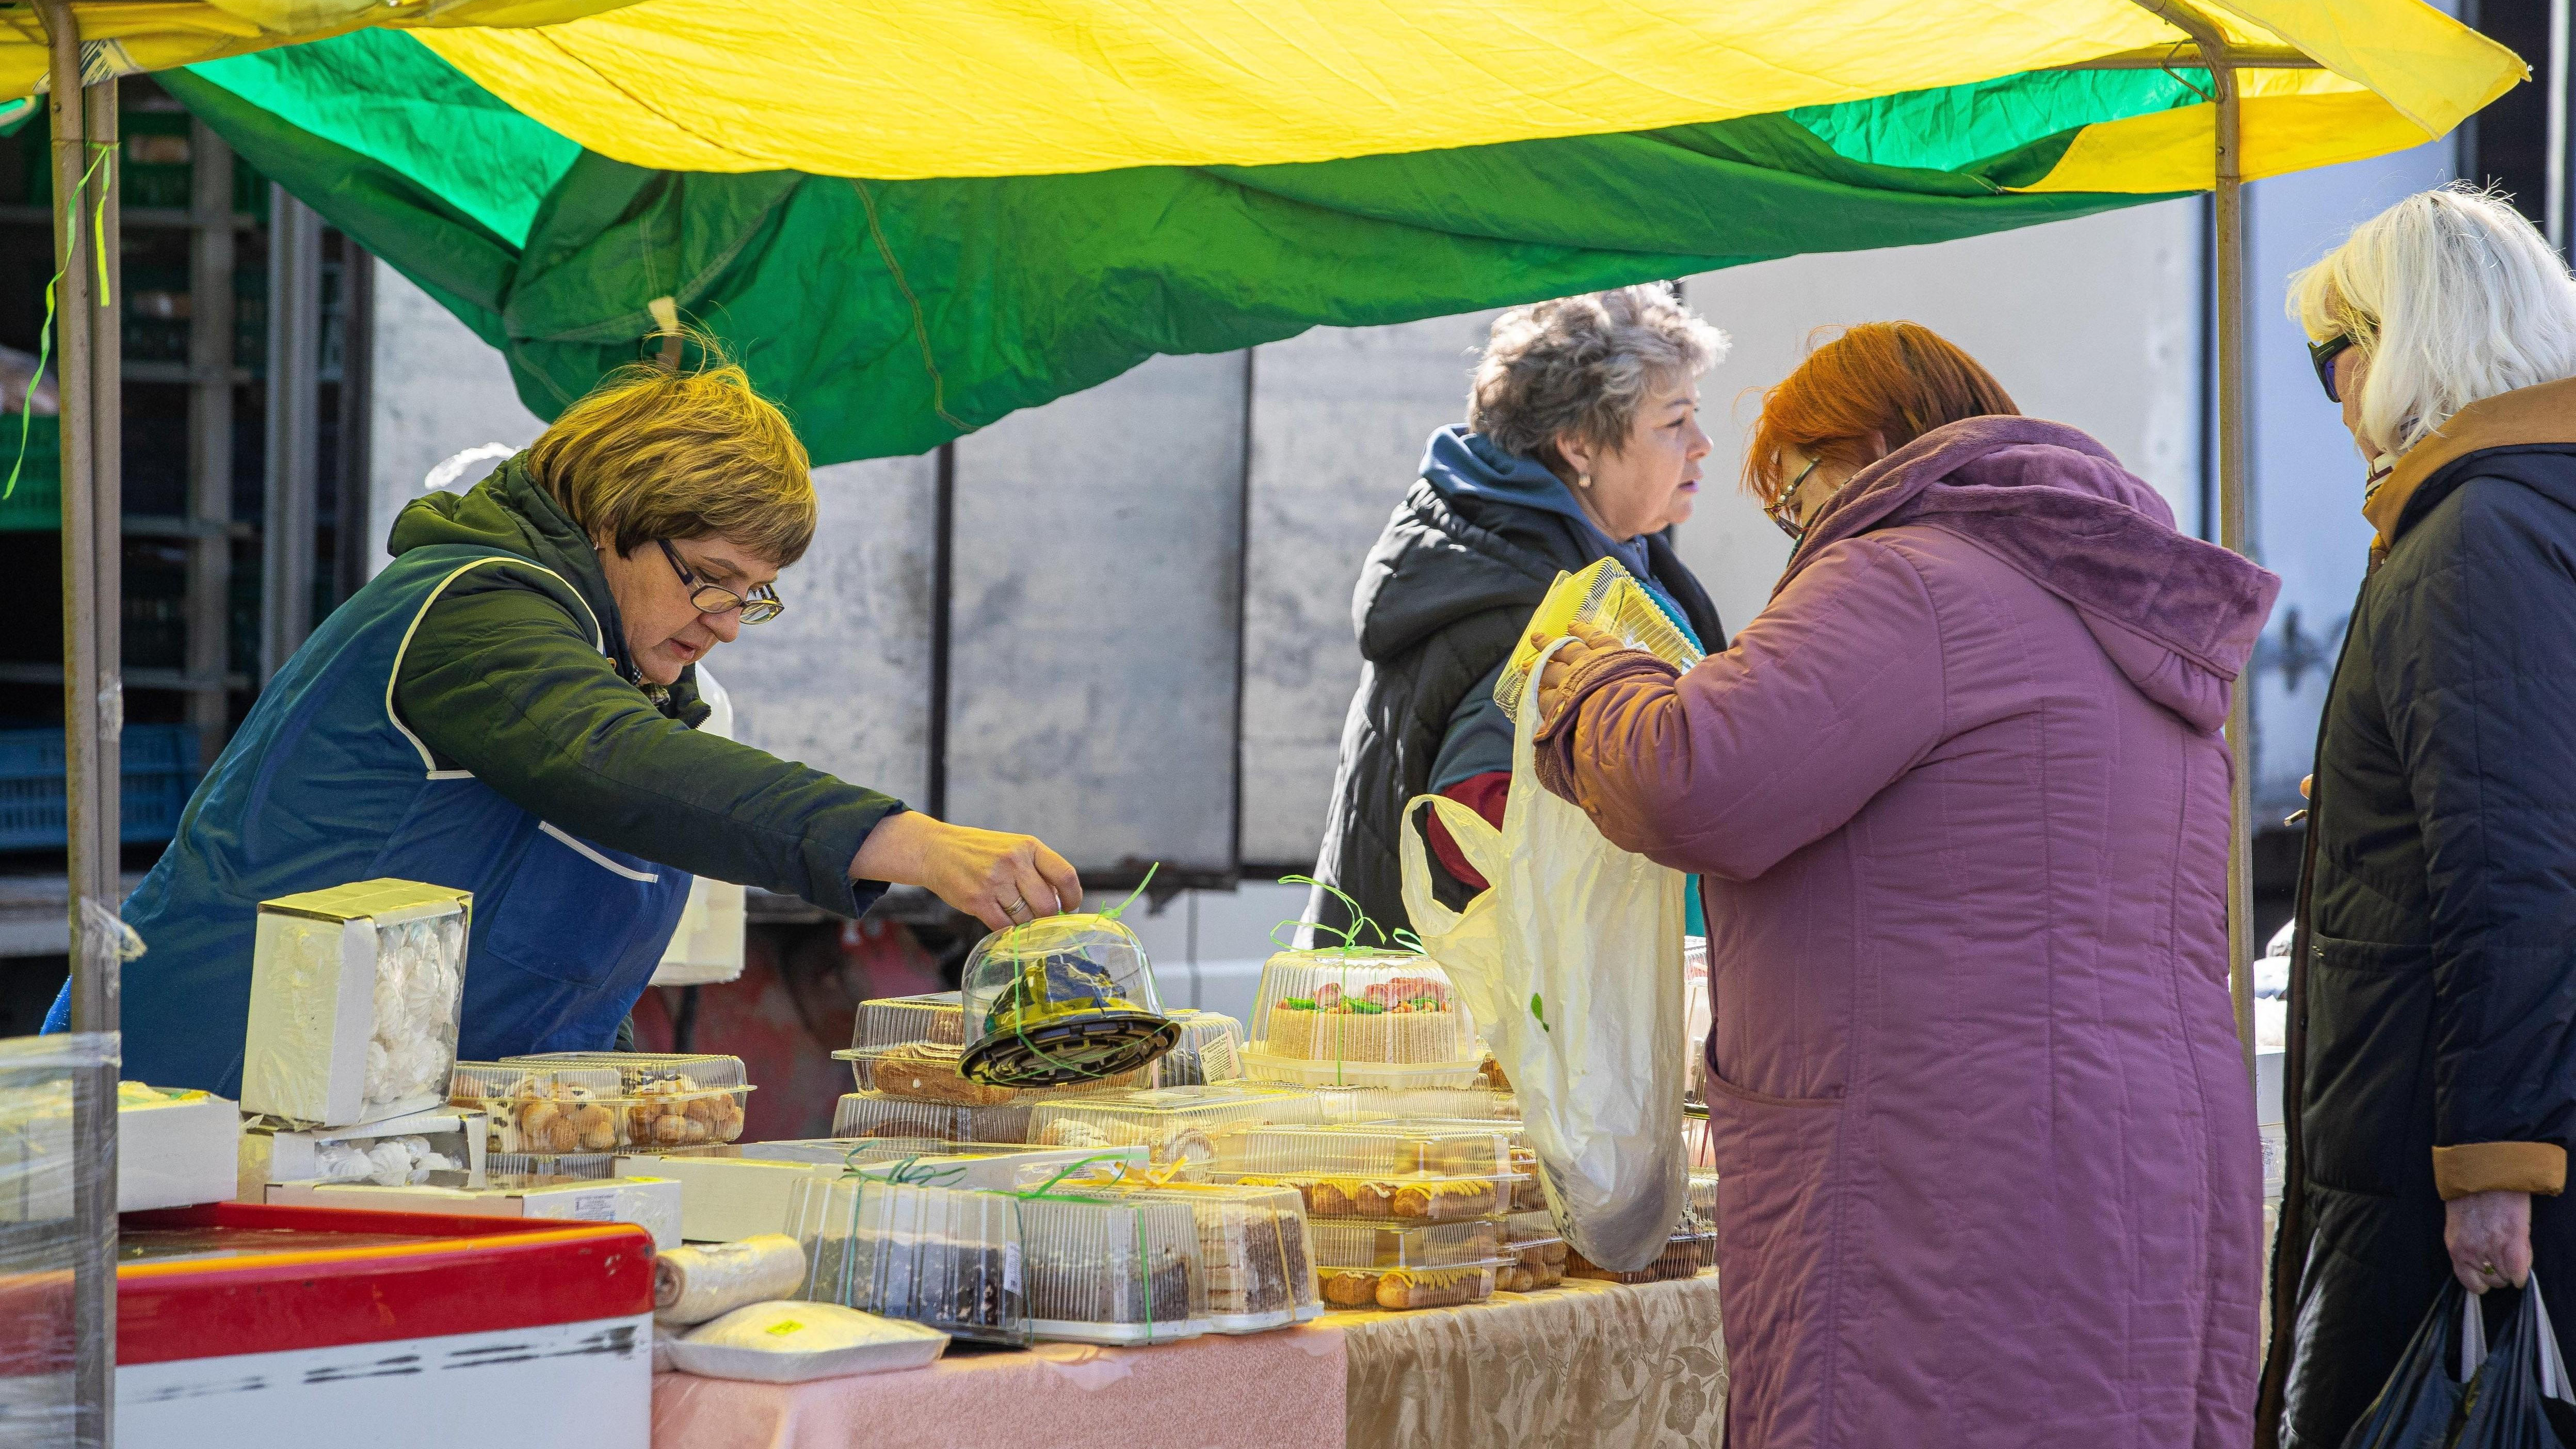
[(2323, 355), (761, 607), (1780, 508)]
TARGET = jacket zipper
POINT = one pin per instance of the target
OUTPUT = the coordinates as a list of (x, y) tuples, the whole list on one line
[(2287, 1266)]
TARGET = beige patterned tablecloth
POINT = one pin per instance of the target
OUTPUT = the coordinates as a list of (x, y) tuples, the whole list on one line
[(1579, 1364)]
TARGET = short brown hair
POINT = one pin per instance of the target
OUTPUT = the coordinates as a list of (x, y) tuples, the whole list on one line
[(1892, 381), (653, 453)]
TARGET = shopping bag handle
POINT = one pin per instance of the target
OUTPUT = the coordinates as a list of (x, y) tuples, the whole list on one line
[(2553, 1363), (1476, 838)]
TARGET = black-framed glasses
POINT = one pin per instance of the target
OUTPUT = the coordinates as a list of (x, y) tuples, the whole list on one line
[(2323, 355), (761, 607), (1779, 509)]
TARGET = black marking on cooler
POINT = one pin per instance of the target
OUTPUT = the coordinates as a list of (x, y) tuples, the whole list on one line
[(248, 1384), (399, 1366), (618, 1340)]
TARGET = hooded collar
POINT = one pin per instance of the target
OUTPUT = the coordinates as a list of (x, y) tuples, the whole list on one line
[(2178, 615), (2541, 414), (1462, 464)]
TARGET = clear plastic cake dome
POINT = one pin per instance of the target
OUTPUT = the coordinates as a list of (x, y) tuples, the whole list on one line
[(1062, 999), (1358, 1015)]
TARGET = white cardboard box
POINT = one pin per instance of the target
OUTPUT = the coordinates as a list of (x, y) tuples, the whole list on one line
[(315, 963), (651, 1203), (272, 1154), (173, 1149), (724, 1198)]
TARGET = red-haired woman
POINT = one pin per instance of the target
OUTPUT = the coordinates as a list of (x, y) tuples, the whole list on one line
[(1986, 1147)]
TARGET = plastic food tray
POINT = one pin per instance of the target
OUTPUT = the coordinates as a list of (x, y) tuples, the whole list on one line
[(1433, 1104), (903, 1020), (1683, 1257), (1430, 1245), (1377, 1172), (1346, 1017), (1536, 1254), (1255, 1250), (1177, 1124), (874, 1114), (514, 1169), (577, 1103), (1526, 1193), (1114, 1269), (948, 1260), (930, 1072), (1406, 1288)]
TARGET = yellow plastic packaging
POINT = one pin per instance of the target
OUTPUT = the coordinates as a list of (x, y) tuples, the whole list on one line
[(1609, 598)]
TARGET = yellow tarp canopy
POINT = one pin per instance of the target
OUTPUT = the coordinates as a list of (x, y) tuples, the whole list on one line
[(929, 88)]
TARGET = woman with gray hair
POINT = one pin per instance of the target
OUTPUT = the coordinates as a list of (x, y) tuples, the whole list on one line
[(1582, 441), (2431, 1080)]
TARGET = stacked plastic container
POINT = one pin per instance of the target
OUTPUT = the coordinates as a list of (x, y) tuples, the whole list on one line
[(1526, 1193), (907, 1062), (1403, 1217), (1210, 1051), (1062, 1000), (1429, 1104), (1115, 1270), (591, 1102), (1184, 1125), (1353, 1017)]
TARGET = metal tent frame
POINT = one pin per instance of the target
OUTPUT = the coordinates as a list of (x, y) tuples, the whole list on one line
[(84, 119)]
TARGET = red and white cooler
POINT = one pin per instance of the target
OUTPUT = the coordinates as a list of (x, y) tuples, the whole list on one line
[(281, 1328)]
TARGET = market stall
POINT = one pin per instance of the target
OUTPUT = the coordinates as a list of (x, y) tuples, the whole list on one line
[(1259, 200)]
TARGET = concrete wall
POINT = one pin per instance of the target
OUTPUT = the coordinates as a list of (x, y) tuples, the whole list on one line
[(439, 390)]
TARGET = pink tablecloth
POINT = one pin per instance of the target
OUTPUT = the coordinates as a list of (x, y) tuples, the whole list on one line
[(1280, 1389)]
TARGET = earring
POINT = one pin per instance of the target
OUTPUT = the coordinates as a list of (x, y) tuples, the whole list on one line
[(1582, 480)]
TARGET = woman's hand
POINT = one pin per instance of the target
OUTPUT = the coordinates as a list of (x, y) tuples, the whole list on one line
[(2489, 1235), (1586, 641), (998, 878)]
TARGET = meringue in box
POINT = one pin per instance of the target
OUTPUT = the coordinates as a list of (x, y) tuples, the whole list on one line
[(354, 999)]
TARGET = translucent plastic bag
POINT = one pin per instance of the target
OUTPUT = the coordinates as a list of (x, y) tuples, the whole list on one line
[(1573, 963), (1609, 598)]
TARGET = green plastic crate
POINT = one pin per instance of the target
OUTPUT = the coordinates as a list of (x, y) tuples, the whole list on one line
[(36, 504)]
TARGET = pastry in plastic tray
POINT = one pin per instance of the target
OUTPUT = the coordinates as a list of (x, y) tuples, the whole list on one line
[(930, 1072), (1177, 1124), (665, 1093), (1536, 1255), (1431, 1245), (1210, 1050), (951, 1260), (569, 1104), (1395, 1288), (1690, 1250), (1342, 1016), (874, 1114), (1423, 1104), (1111, 1269), (1254, 1252), (1373, 1172), (1526, 1194)]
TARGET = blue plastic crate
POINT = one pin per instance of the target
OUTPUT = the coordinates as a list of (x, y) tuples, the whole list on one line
[(160, 764)]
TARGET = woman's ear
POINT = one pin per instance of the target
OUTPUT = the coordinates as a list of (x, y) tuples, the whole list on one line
[(1577, 453)]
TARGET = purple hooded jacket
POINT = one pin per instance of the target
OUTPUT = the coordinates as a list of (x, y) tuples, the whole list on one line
[(1988, 1169)]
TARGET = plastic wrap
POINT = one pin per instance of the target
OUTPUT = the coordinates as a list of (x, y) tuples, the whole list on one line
[(1062, 999), (948, 1260), (1349, 1016), (41, 1240), (354, 1002), (791, 1343), (1177, 1124), (694, 1284), (874, 1114), (604, 1101), (1377, 1171), (1607, 597)]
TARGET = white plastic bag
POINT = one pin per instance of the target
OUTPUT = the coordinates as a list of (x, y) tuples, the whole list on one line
[(1573, 961)]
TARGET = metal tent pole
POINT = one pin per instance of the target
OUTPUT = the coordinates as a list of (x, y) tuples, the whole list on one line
[(85, 230), (2234, 531)]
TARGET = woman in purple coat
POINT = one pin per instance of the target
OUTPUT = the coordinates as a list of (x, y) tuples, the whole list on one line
[(1986, 1148)]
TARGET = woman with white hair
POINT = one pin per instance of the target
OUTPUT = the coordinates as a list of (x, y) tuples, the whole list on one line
[(2431, 1083), (1582, 441)]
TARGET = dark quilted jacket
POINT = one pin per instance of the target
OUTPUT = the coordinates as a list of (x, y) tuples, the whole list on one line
[(1440, 600), (2433, 986)]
